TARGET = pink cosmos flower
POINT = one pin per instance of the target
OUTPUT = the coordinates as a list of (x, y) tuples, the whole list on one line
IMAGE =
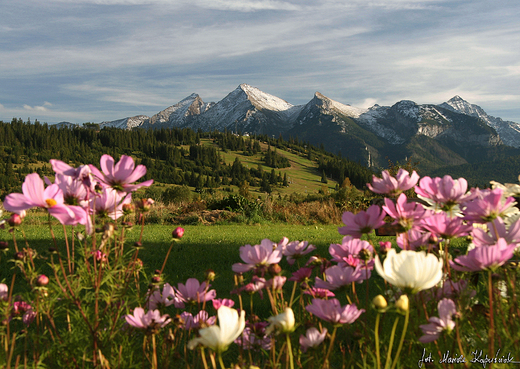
[(194, 292), (484, 257), (444, 192), (332, 311), (110, 203), (152, 319), (441, 225), (405, 213), (337, 277), (412, 239), (444, 322), (296, 249), (4, 292), (313, 338), (319, 293), (497, 229), (253, 337), (393, 186), (301, 275), (50, 198), (258, 256), (217, 303), (81, 174), (201, 320), (276, 283), (165, 298), (120, 175), (350, 252), (74, 192), (487, 206), (362, 222)]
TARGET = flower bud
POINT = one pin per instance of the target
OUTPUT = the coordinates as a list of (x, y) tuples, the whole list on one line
[(19, 255), (379, 302), (15, 220), (403, 303), (42, 280), (385, 246), (178, 232), (128, 208), (156, 279), (210, 275), (365, 255), (138, 244), (4, 245), (274, 269)]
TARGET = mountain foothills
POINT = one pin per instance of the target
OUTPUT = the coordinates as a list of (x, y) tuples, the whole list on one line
[(455, 133)]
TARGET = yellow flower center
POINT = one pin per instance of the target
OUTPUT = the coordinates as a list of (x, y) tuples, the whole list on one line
[(51, 202)]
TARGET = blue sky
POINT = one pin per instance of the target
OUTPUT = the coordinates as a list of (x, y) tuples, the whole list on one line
[(96, 60)]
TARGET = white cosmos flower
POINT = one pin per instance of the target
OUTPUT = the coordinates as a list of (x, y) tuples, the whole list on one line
[(219, 337), (283, 322), (413, 270)]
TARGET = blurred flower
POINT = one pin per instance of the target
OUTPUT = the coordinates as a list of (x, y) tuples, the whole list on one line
[(201, 320), (484, 257), (362, 222), (4, 291), (217, 303), (412, 239), (337, 277), (296, 249), (120, 175), (319, 293), (497, 229), (80, 174), (14, 220), (379, 302), (281, 323), (444, 193), (393, 186), (405, 213), (253, 337), (50, 198), (42, 280), (276, 283), (332, 311), (152, 319), (488, 205), (349, 253), (28, 317), (261, 255), (194, 292), (312, 338), (410, 269), (165, 298), (110, 203), (441, 225), (403, 303), (444, 322), (301, 275), (219, 337), (178, 232)]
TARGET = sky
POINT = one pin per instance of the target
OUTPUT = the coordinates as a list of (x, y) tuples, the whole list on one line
[(101, 60)]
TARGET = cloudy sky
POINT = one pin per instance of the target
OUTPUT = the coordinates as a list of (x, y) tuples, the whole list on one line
[(96, 60)]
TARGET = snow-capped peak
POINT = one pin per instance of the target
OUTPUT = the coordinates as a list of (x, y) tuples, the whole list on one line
[(263, 100), (347, 110)]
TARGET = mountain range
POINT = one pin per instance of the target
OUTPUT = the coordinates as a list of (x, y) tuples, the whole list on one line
[(453, 133)]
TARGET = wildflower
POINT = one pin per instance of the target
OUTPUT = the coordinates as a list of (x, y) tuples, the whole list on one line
[(283, 322), (178, 232), (444, 193), (276, 283), (313, 338), (393, 186), (410, 269), (444, 322), (194, 292), (332, 311), (165, 298), (362, 222), (254, 338), (50, 198), (80, 174), (257, 256), (488, 205), (337, 277), (4, 291), (217, 303), (441, 225), (484, 257), (120, 175), (14, 220), (350, 252), (379, 302), (74, 192), (201, 320), (301, 275), (295, 249), (319, 293), (412, 239), (151, 320), (403, 303), (405, 213), (110, 203), (219, 337), (497, 229)]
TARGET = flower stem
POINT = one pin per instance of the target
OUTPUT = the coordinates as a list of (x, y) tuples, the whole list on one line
[(406, 320), (330, 347), (166, 258), (491, 333), (378, 356), (220, 361), (289, 350), (391, 344)]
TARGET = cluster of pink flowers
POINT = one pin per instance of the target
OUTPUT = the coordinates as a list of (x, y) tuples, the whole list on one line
[(79, 192)]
